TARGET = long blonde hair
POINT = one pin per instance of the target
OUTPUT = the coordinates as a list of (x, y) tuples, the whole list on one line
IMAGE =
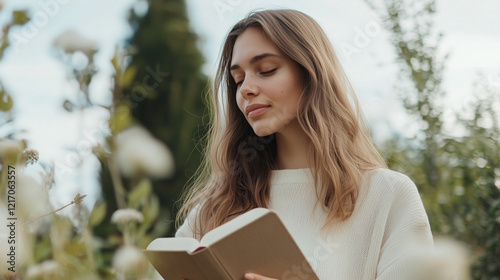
[(235, 173)]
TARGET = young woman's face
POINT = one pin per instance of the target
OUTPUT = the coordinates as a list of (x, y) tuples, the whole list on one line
[(269, 83)]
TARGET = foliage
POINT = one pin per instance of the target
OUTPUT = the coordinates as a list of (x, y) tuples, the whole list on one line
[(54, 246), (162, 90), (458, 174)]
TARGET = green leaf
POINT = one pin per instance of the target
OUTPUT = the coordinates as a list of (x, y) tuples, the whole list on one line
[(121, 119), (150, 211), (140, 192), (98, 214), (20, 17), (154, 208), (5, 100), (128, 77), (43, 249)]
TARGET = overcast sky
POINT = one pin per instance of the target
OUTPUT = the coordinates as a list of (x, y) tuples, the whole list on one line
[(37, 79)]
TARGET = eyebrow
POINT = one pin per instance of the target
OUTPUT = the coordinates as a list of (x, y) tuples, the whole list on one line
[(254, 60)]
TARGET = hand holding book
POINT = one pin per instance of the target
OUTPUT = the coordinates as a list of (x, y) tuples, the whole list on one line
[(269, 250)]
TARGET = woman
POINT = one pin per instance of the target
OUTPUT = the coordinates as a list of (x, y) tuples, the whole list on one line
[(288, 138)]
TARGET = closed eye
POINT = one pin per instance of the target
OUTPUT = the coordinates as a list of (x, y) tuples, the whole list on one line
[(268, 72), (262, 73)]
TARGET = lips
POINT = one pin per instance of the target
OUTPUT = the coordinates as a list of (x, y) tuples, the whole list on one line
[(254, 109)]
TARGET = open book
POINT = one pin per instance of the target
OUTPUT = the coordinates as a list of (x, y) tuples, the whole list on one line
[(256, 241)]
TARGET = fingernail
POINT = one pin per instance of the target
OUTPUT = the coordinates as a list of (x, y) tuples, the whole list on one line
[(249, 276)]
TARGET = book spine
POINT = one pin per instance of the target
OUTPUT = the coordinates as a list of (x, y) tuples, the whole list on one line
[(210, 265)]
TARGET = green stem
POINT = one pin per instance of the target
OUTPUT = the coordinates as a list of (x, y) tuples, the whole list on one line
[(50, 213), (117, 183)]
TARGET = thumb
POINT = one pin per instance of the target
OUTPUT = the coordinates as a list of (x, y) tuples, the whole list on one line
[(253, 276)]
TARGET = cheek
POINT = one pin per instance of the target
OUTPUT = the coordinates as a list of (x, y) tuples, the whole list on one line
[(288, 98), (295, 91), (239, 101)]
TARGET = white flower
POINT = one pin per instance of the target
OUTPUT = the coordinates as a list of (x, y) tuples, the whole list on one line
[(71, 41), (124, 216), (45, 270), (449, 261), (32, 198), (129, 259), (139, 153), (10, 149)]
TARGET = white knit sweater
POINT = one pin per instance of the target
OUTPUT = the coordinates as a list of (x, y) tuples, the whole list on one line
[(389, 221)]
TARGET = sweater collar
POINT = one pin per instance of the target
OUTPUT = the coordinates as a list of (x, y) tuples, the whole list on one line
[(288, 176)]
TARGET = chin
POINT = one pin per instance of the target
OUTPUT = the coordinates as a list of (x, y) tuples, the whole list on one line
[(263, 134), (263, 131)]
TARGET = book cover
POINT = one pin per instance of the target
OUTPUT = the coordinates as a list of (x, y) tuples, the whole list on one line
[(256, 241)]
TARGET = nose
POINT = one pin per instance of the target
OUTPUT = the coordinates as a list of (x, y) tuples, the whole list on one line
[(249, 88)]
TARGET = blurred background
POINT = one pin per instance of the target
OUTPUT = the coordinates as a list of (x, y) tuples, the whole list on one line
[(104, 99)]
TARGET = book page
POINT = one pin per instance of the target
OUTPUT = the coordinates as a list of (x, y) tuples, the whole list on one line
[(176, 265), (233, 225), (174, 244), (175, 259), (263, 246)]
